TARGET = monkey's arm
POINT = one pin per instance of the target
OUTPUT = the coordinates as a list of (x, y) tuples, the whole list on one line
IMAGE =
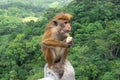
[(54, 43)]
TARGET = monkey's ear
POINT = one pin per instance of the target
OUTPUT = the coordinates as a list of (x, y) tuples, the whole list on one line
[(55, 23)]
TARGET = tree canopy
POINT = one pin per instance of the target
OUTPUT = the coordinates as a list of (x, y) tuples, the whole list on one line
[(95, 54)]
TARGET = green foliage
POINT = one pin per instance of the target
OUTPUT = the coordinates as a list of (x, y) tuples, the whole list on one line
[(95, 54), (95, 28)]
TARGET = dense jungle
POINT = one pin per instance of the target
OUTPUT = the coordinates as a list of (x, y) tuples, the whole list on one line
[(95, 54)]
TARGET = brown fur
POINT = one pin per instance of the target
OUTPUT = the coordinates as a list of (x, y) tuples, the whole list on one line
[(54, 46)]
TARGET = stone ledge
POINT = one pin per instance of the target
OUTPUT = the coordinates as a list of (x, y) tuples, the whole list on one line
[(69, 73)]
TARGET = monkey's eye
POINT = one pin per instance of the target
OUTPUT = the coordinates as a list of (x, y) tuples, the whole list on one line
[(69, 21), (65, 22)]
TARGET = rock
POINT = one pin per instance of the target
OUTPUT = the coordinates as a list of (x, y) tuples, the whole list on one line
[(69, 73)]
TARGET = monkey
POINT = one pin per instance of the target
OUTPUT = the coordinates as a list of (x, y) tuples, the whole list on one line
[(56, 40)]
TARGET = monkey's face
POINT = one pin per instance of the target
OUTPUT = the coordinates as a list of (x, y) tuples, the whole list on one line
[(63, 26)]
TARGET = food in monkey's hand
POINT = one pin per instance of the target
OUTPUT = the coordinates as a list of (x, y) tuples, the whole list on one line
[(69, 41)]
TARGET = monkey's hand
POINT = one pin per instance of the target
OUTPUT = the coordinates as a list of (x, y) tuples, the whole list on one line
[(69, 41)]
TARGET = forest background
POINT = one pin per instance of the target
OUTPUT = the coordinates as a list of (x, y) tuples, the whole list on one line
[(95, 54)]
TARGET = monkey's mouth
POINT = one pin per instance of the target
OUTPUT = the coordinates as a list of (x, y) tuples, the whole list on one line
[(66, 31)]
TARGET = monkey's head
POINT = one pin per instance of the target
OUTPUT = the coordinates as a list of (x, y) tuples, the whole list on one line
[(62, 22)]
